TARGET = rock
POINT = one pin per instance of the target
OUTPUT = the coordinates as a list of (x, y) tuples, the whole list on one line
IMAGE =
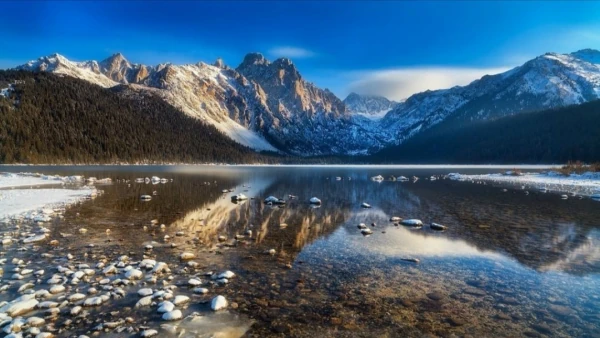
[(474, 292), (134, 274), (315, 200), (366, 231), (172, 315), (365, 205), (34, 239), (437, 227), (227, 274), (35, 321), (166, 306), (94, 301), (111, 269), (161, 267), (437, 296), (560, 310), (76, 297), (47, 305), (19, 307), (218, 303), (149, 333), (201, 290), (194, 282), (179, 300), (76, 310), (455, 321), (145, 292), (187, 256), (145, 301), (412, 222)]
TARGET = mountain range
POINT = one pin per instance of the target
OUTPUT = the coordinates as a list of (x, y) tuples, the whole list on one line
[(269, 105)]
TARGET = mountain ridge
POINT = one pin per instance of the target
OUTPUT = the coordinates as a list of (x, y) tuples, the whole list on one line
[(269, 105)]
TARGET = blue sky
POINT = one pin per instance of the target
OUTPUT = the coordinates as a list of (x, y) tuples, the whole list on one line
[(377, 47)]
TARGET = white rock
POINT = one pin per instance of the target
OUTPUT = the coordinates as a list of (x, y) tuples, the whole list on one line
[(315, 200), (134, 274), (145, 292), (34, 239), (109, 269), (149, 333), (76, 297), (145, 301), (47, 305), (172, 315), (93, 301), (412, 222), (201, 290), (227, 274), (76, 310), (194, 282), (35, 321), (181, 300), (166, 306), (17, 308), (161, 267), (218, 303)]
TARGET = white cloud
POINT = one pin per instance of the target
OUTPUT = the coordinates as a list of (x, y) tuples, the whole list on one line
[(291, 52), (400, 83)]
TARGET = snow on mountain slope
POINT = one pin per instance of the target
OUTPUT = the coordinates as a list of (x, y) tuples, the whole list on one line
[(203, 91), (269, 105), (370, 106), (56, 63), (548, 81)]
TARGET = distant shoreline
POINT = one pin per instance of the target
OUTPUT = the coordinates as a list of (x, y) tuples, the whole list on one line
[(407, 166)]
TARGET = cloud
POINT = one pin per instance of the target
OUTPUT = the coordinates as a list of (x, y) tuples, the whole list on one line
[(291, 52), (400, 83)]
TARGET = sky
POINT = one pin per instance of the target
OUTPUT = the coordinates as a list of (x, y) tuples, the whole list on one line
[(387, 48)]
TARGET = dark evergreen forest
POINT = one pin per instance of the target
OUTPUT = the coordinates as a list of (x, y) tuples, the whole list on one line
[(58, 119), (551, 136)]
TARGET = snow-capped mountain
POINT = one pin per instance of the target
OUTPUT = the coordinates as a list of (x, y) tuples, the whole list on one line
[(548, 81), (270, 106), (369, 106), (256, 102)]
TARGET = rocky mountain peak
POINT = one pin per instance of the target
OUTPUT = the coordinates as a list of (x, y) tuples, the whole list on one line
[(254, 59), (589, 55), (219, 63)]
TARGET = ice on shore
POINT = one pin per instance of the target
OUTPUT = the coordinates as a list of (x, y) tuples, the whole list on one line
[(22, 197), (586, 184)]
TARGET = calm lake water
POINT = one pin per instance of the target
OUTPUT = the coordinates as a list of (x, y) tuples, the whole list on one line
[(508, 265)]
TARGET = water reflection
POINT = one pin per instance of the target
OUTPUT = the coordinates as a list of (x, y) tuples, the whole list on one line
[(509, 263)]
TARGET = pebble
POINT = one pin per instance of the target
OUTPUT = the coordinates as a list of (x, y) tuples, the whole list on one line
[(145, 301), (201, 290), (181, 300), (172, 315), (145, 292), (218, 303), (194, 282), (166, 306), (149, 333), (187, 256)]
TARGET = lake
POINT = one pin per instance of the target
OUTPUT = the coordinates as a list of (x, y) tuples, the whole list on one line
[(508, 264)]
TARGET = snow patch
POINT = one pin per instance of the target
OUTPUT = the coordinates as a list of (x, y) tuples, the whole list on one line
[(585, 184)]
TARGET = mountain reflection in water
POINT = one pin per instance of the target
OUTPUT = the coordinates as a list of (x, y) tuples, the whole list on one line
[(509, 264)]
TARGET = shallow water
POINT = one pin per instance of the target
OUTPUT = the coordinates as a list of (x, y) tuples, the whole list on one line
[(509, 264)]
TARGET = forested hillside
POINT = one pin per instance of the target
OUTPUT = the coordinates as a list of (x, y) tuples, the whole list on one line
[(550, 136), (47, 118)]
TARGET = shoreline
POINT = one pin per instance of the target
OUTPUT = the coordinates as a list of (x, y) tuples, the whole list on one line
[(401, 166), (586, 184)]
